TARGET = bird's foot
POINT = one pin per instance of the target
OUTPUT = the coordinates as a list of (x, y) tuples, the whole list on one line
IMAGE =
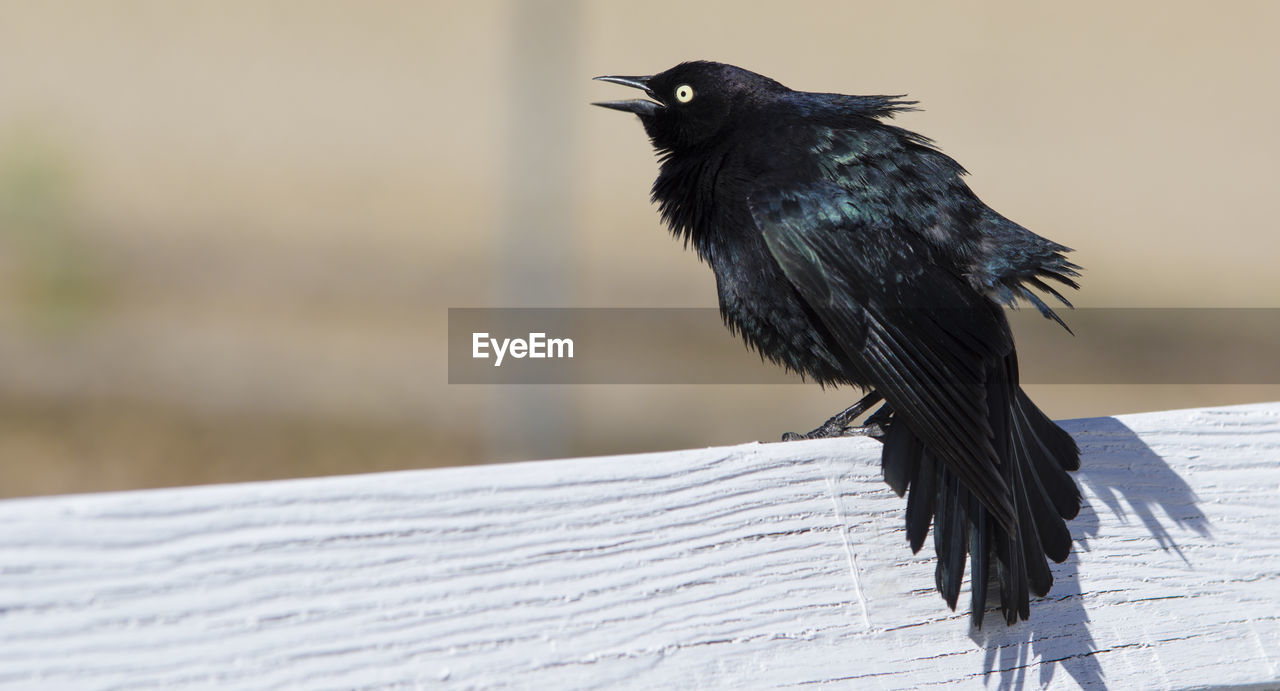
[(840, 424), (874, 430)]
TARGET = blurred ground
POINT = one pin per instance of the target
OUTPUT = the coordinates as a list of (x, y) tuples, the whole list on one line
[(230, 232)]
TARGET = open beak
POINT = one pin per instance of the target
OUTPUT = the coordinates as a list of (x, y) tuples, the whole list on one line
[(638, 106)]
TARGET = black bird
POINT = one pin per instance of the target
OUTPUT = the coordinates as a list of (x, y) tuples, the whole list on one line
[(851, 251)]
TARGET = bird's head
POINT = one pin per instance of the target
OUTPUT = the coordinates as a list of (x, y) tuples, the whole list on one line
[(692, 102)]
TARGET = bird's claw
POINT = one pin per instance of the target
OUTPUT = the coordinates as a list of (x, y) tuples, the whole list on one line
[(840, 424), (874, 430)]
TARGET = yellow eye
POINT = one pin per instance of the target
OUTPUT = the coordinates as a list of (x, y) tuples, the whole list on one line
[(684, 93)]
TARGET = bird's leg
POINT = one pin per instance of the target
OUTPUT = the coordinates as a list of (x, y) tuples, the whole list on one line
[(839, 424)]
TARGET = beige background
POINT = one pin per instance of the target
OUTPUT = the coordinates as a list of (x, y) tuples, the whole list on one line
[(229, 232)]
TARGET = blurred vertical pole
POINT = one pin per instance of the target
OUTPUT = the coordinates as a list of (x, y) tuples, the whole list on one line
[(535, 241)]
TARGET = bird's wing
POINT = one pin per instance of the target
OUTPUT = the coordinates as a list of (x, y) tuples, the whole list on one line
[(999, 257), (918, 333), (1024, 261)]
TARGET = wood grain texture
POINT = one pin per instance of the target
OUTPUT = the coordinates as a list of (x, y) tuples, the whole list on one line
[(743, 567)]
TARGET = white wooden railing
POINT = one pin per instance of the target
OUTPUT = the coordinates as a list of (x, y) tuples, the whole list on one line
[(752, 566)]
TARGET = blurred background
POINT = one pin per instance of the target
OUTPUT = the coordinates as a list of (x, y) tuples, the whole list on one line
[(230, 232)]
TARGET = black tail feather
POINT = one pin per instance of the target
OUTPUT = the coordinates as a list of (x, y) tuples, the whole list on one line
[(1035, 457), (899, 461), (950, 539), (979, 555), (920, 502), (1060, 444), (1050, 459), (905, 464)]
